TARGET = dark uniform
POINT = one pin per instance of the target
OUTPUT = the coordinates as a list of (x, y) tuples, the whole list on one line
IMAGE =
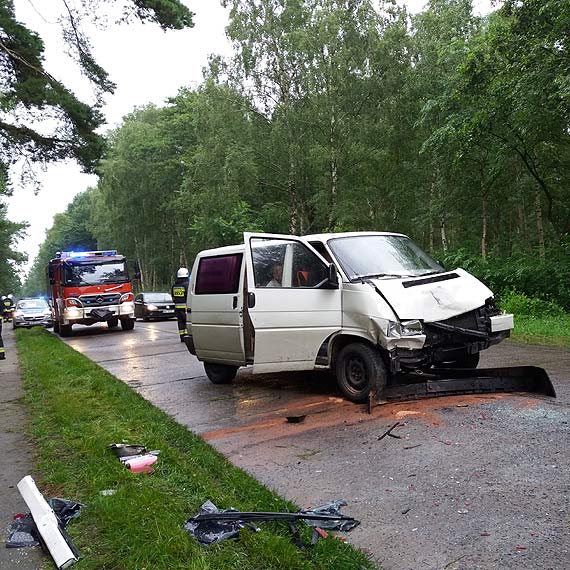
[(179, 295), (2, 353), (7, 308)]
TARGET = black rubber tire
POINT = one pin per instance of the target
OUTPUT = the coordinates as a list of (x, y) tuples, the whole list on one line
[(112, 323), (56, 326), (357, 367), (146, 319), (127, 324), (220, 373), (65, 330), (468, 361)]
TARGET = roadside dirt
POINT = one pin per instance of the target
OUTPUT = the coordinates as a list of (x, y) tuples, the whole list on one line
[(17, 455), (473, 482)]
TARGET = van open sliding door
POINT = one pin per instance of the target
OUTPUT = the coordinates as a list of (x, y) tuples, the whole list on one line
[(292, 310)]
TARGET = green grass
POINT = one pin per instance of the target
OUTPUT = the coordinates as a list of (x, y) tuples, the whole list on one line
[(548, 330), (77, 409)]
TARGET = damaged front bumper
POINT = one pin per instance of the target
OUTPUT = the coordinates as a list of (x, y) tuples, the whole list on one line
[(449, 341)]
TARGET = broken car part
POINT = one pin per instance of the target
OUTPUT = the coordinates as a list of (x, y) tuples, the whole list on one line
[(60, 547), (449, 382), (211, 525)]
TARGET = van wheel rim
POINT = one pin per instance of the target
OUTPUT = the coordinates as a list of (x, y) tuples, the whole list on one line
[(356, 372)]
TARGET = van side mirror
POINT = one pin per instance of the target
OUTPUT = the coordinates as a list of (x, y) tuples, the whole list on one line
[(333, 276)]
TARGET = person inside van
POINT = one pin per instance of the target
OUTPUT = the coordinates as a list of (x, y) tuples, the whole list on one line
[(276, 275)]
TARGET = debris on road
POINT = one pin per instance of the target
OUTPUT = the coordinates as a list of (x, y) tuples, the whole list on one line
[(389, 433), (412, 446), (212, 525), (296, 419)]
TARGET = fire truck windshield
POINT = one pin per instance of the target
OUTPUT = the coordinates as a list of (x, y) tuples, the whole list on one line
[(95, 274)]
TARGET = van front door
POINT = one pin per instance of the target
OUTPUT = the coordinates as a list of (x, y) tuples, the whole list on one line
[(217, 309), (292, 306)]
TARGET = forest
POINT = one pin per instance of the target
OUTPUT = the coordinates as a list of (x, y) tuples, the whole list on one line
[(341, 115)]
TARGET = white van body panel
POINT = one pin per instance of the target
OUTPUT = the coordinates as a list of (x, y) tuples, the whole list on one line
[(217, 320), (290, 323), (437, 301)]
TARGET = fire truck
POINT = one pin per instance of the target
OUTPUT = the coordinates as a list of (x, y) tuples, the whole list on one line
[(90, 287)]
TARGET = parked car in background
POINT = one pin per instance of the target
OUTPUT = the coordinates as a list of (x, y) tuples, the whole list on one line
[(154, 305), (32, 312)]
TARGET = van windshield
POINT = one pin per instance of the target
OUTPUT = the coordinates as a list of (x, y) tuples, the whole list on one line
[(381, 256)]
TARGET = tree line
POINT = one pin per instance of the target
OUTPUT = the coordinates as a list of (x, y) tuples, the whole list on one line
[(337, 115)]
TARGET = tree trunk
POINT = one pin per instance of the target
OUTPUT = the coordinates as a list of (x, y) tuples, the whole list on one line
[(443, 234), (431, 228), (484, 224), (333, 170), (539, 225)]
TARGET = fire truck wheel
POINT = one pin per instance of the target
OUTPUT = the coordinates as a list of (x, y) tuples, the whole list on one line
[(65, 330), (56, 327), (127, 324), (112, 323)]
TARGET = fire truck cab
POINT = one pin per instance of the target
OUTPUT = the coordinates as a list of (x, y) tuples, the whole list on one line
[(90, 287)]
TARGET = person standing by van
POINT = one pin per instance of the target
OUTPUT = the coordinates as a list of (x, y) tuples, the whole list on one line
[(179, 295), (2, 353)]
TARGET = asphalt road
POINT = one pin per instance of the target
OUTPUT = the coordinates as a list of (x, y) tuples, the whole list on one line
[(474, 482)]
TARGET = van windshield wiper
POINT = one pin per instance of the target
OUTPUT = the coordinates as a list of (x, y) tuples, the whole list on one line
[(430, 273), (376, 276)]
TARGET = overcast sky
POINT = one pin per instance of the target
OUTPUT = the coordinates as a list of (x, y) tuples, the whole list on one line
[(147, 65)]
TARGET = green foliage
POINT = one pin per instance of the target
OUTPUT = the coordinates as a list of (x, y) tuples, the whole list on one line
[(525, 306), (78, 409), (545, 278), (30, 94)]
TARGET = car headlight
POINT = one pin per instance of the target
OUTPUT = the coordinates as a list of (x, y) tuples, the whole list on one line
[(404, 328), (152, 307), (18, 313)]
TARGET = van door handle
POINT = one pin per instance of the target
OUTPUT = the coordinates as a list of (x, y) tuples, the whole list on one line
[(251, 300), (234, 302)]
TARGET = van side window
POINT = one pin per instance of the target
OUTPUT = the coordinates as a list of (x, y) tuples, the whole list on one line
[(218, 275), (286, 264)]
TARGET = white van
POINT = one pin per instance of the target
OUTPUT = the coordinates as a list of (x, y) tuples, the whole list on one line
[(367, 305)]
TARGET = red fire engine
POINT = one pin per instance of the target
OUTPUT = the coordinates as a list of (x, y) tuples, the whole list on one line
[(90, 287)]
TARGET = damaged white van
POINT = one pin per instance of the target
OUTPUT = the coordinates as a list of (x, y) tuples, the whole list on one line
[(368, 305)]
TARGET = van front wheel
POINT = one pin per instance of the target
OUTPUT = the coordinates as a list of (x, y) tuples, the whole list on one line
[(358, 367), (220, 373)]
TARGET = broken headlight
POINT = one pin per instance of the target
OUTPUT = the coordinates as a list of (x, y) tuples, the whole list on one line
[(404, 328)]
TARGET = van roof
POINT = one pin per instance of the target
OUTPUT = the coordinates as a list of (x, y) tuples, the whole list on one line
[(228, 249), (325, 237)]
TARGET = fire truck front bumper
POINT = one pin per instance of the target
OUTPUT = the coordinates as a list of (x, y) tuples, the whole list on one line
[(100, 314)]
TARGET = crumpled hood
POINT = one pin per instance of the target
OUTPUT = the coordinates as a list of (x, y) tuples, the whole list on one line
[(436, 300)]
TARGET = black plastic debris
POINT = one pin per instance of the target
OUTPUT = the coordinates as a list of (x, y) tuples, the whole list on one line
[(332, 509), (212, 525), (65, 510), (22, 532), (211, 531), (126, 450)]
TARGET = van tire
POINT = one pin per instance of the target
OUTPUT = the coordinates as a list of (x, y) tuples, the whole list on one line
[(220, 373), (358, 366)]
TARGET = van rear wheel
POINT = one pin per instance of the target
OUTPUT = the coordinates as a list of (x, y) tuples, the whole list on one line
[(220, 373), (358, 367)]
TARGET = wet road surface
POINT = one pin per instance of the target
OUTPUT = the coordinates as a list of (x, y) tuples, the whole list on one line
[(474, 482)]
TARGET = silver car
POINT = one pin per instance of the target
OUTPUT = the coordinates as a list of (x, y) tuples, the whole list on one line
[(32, 312)]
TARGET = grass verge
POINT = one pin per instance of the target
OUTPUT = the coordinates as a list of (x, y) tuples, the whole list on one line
[(77, 409), (549, 330)]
